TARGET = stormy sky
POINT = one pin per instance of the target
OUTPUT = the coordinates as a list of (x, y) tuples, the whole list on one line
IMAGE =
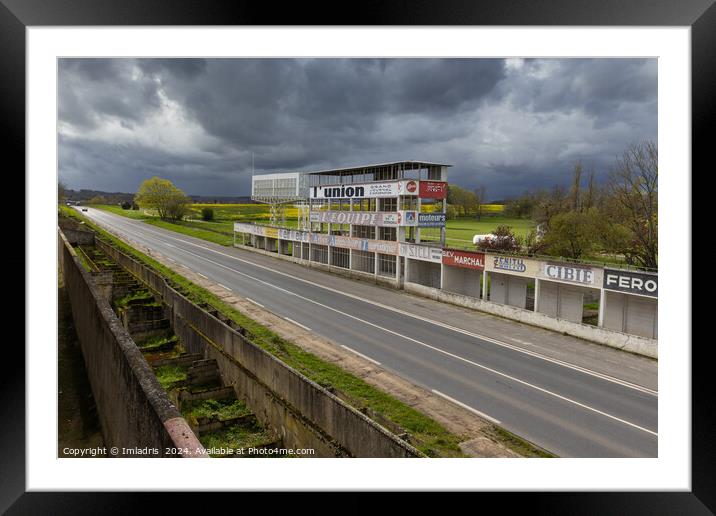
[(508, 124)]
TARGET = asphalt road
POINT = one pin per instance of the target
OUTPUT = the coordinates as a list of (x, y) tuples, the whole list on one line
[(565, 410)]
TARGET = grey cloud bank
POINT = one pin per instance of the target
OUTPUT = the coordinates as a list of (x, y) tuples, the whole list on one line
[(509, 124)]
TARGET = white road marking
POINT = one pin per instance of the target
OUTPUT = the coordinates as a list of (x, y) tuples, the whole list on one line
[(298, 323), (254, 302), (468, 407), (457, 357), (224, 286), (540, 356), (360, 354), (200, 274)]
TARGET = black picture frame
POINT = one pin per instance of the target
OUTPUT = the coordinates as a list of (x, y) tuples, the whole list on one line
[(17, 15)]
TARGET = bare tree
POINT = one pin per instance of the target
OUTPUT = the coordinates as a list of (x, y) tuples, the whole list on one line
[(589, 198), (61, 191), (633, 186), (480, 199), (576, 185)]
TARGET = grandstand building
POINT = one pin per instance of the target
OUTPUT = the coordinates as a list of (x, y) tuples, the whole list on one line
[(378, 220)]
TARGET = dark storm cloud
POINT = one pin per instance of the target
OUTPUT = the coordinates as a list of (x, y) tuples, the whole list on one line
[(510, 124)]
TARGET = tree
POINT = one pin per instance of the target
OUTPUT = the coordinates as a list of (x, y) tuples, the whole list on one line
[(480, 199), (161, 195), (573, 234), (461, 198), (97, 199), (126, 205), (633, 189)]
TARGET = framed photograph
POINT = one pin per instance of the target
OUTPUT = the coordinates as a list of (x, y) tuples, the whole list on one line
[(412, 249)]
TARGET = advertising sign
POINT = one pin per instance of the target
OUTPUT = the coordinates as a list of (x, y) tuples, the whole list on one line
[(421, 252), (466, 259), (570, 273), (431, 220), (365, 190), (433, 189), (270, 232), (631, 282), (365, 218), (382, 246), (512, 265)]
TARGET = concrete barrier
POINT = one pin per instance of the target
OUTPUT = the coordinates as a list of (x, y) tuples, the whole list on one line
[(134, 410), (624, 341), (305, 414)]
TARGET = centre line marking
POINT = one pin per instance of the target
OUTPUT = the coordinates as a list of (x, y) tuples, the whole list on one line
[(457, 357), (468, 407), (360, 354), (518, 349)]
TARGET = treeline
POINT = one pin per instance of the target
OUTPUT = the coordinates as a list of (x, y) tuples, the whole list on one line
[(462, 201), (585, 218)]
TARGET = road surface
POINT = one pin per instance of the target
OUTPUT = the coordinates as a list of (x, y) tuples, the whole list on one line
[(551, 399)]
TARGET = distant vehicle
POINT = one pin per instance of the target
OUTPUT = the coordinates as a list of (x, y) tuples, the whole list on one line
[(77, 203), (69, 203), (479, 238), (84, 209)]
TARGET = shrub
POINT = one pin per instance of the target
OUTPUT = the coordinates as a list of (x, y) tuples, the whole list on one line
[(207, 214)]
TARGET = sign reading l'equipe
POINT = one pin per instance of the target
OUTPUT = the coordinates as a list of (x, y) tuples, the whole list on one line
[(631, 282)]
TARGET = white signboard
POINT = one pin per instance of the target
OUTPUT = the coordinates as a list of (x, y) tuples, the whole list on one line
[(365, 218), (422, 252), (365, 190), (571, 273)]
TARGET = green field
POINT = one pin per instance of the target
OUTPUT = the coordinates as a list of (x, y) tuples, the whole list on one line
[(459, 231)]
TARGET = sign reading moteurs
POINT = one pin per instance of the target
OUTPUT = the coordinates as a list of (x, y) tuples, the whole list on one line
[(431, 220), (631, 282)]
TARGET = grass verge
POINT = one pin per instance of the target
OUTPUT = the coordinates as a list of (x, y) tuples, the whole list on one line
[(429, 436)]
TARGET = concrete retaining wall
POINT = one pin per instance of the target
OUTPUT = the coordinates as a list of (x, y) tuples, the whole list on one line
[(305, 414), (134, 410), (632, 343)]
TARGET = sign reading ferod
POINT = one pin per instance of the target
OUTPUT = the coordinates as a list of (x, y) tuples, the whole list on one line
[(631, 282)]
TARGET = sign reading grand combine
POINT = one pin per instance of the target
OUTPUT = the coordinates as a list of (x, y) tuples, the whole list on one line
[(631, 282), (570, 273), (366, 218), (433, 189), (466, 259), (364, 191)]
